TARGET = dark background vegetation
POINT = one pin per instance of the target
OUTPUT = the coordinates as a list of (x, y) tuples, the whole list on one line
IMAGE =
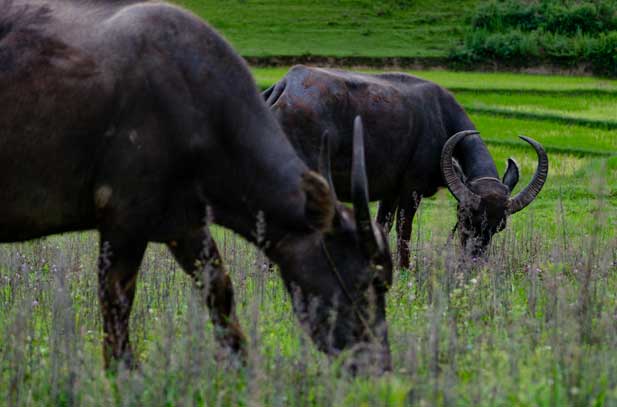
[(527, 33)]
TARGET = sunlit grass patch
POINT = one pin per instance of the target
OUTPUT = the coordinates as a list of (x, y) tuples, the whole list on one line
[(561, 165), (560, 136), (598, 108)]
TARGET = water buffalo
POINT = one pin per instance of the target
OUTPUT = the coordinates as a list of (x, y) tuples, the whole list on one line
[(414, 129), (133, 119)]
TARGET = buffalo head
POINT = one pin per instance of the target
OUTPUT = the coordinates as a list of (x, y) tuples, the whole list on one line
[(338, 277), (484, 203)]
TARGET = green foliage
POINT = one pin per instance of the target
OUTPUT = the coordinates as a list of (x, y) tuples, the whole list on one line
[(513, 46), (496, 16), (555, 16), (603, 54), (524, 34)]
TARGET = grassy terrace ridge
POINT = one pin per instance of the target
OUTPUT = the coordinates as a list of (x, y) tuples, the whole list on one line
[(590, 110), (565, 138), (514, 145), (597, 92), (391, 28), (521, 113), (598, 111)]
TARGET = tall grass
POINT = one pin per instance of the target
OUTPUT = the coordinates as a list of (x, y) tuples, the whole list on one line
[(535, 325)]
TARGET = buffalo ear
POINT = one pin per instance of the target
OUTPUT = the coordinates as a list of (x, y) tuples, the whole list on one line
[(510, 177), (320, 206)]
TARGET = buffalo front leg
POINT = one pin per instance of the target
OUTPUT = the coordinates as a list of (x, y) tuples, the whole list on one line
[(200, 258), (408, 205), (385, 213), (118, 265)]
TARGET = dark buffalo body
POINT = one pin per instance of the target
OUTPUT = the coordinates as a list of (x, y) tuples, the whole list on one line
[(408, 121), (140, 121)]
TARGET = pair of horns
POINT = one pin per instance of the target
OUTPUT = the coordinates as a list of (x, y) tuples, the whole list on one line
[(359, 185), (467, 197)]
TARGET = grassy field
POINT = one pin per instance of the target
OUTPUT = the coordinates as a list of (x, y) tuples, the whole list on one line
[(598, 110), (535, 326), (391, 28), (485, 81)]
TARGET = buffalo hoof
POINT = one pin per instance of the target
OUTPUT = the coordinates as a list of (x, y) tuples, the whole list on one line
[(404, 262), (233, 344), (124, 362)]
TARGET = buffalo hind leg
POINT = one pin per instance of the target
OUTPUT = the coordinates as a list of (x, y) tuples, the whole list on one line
[(408, 204), (200, 258), (118, 265)]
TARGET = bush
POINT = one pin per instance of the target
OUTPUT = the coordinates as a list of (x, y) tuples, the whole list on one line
[(603, 54), (578, 18), (499, 16), (549, 16), (515, 46), (523, 33)]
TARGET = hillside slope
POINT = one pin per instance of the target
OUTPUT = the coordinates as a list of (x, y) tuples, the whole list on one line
[(343, 28)]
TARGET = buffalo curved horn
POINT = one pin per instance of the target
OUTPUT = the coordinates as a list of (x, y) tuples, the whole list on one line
[(359, 191), (527, 195), (456, 186), (324, 162)]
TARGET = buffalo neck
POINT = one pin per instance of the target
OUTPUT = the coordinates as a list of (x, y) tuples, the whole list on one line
[(259, 195), (471, 153)]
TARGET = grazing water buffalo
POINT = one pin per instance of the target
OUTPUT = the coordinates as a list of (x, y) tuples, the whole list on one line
[(132, 119), (414, 129)]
